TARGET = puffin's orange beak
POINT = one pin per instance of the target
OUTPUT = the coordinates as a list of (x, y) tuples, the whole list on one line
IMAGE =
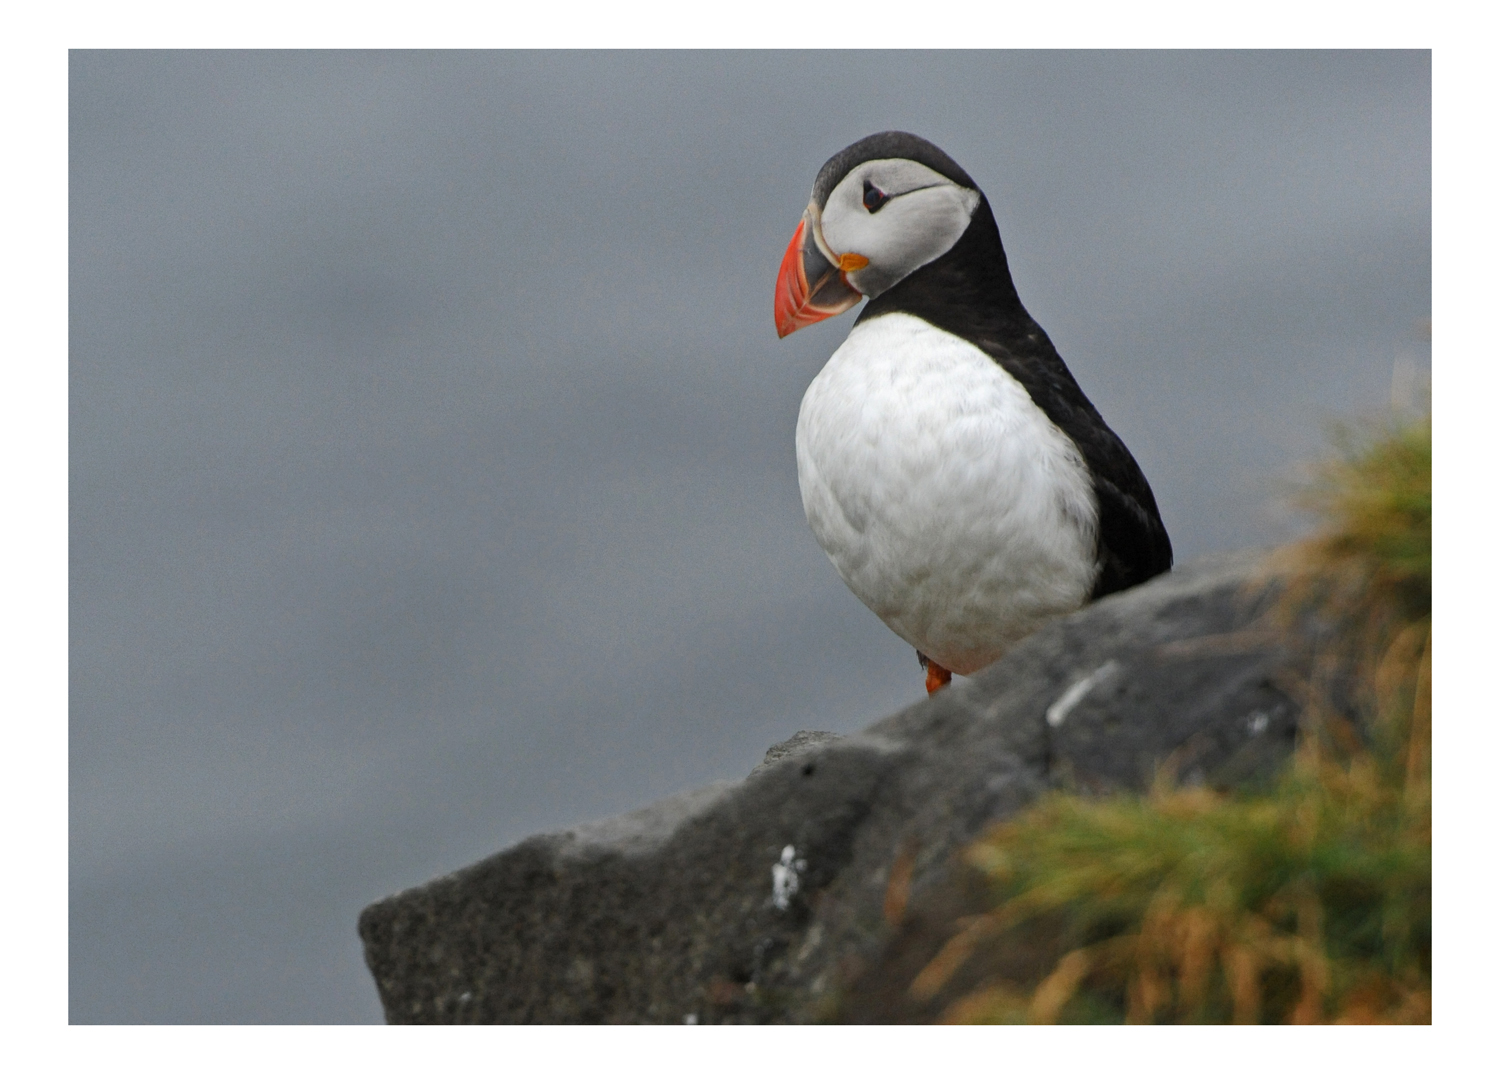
[(810, 288)]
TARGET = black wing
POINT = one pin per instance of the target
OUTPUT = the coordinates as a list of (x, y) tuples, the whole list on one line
[(1132, 542)]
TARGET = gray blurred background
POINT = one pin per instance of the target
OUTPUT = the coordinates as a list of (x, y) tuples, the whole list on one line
[(431, 445)]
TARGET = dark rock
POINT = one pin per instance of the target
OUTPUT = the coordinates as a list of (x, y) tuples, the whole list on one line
[(768, 899), (801, 742)]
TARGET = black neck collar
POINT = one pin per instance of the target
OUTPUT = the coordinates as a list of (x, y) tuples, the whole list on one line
[(968, 291)]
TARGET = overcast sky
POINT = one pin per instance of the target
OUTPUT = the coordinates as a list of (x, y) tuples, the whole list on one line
[(432, 476)]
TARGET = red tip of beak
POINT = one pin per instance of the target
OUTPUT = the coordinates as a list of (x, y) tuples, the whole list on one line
[(791, 287)]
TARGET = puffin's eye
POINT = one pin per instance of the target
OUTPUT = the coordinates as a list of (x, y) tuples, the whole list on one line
[(874, 197)]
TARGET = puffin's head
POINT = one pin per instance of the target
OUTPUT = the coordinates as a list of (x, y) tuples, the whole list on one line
[(880, 210)]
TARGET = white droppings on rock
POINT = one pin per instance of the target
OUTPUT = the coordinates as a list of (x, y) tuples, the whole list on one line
[(1074, 695), (1258, 722), (1058, 711), (785, 877)]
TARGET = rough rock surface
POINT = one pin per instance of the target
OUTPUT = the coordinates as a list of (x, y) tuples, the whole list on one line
[(761, 900)]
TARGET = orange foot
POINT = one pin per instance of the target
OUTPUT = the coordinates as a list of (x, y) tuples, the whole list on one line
[(937, 675)]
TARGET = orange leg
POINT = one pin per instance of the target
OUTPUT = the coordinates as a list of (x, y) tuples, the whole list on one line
[(937, 675)]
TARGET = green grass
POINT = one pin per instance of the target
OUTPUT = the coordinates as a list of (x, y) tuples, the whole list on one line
[(1307, 903)]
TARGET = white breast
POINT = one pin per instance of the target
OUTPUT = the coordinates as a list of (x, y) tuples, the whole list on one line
[(945, 498)]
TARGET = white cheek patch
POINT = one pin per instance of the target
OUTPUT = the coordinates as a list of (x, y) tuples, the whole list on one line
[(925, 216)]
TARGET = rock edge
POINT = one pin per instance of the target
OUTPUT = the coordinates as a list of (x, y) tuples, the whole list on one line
[(762, 900)]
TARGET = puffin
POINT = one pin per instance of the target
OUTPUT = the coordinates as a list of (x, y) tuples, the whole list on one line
[(950, 466)]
